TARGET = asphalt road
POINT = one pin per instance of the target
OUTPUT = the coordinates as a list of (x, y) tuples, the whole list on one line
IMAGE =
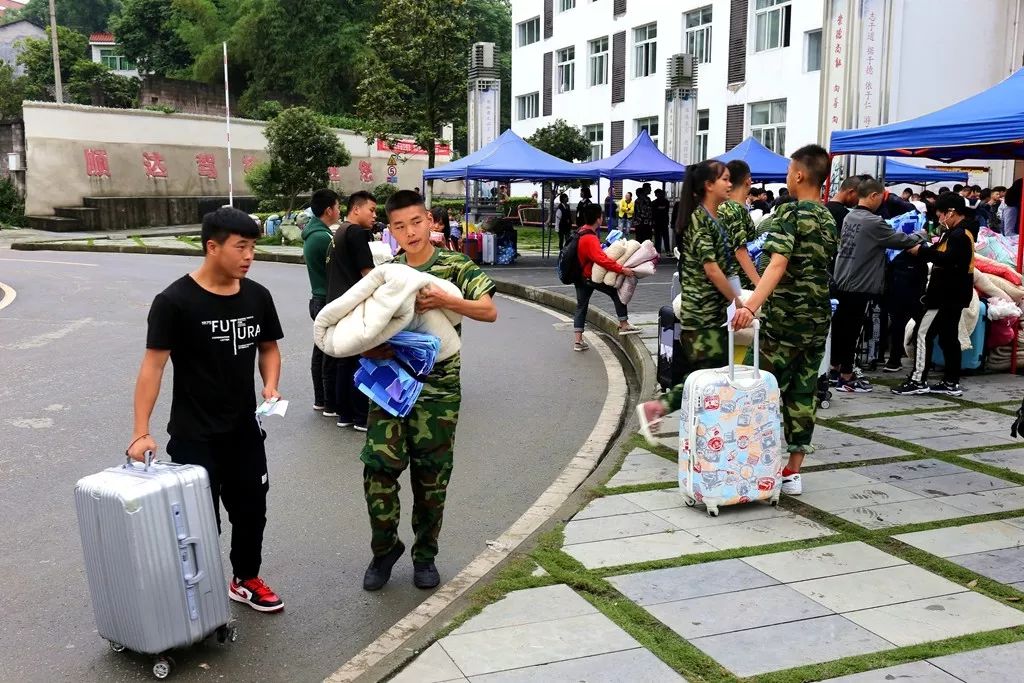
[(69, 350)]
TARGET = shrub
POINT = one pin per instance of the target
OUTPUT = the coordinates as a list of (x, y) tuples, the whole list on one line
[(382, 193), (12, 207)]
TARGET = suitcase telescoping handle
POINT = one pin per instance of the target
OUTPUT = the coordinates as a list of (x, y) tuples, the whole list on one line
[(149, 460), (757, 350)]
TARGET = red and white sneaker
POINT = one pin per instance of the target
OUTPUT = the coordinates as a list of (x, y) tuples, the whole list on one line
[(256, 594)]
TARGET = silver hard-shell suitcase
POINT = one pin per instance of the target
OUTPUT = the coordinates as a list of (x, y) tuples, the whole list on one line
[(152, 557)]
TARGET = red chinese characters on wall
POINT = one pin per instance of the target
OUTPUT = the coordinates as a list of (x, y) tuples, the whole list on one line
[(365, 172), (837, 89), (207, 165), (154, 164), (334, 174), (248, 161), (96, 163)]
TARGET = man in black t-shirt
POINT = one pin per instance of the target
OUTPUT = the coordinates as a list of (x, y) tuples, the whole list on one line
[(211, 323), (348, 260)]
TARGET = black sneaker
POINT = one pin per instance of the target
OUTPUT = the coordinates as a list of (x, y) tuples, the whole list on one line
[(892, 368), (946, 389), (854, 386), (911, 388), (425, 575), (379, 571)]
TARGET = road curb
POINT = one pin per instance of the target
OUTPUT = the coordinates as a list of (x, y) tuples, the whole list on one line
[(567, 494), (136, 249)]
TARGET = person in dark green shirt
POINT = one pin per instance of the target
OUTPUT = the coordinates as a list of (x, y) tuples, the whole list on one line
[(739, 227), (316, 241), (423, 441)]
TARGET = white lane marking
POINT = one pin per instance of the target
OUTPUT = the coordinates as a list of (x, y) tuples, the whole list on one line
[(47, 337), (59, 263), (574, 474), (9, 295)]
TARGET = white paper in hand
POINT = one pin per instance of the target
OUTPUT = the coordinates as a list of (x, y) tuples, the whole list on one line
[(274, 406), (730, 313)]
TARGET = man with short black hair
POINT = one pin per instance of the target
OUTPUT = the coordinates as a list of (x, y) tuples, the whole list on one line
[(316, 241), (739, 227), (348, 260), (424, 441), (211, 324), (845, 199)]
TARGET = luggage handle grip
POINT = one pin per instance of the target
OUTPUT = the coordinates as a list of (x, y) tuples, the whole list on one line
[(150, 458), (756, 324), (200, 574)]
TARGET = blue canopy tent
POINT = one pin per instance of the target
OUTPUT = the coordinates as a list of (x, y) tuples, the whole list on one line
[(898, 172), (510, 159), (768, 167), (989, 125), (641, 161), (765, 165)]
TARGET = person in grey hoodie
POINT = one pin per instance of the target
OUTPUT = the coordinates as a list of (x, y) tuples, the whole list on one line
[(860, 276)]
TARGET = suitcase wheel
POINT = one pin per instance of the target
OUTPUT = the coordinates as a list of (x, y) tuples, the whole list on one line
[(690, 502), (712, 511), (116, 647), (227, 634), (825, 405), (162, 667)]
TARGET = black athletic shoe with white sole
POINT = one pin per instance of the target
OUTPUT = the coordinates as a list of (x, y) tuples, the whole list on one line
[(946, 389), (911, 388)]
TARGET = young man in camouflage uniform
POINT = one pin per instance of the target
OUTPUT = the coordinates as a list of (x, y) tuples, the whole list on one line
[(739, 227), (424, 440), (795, 295)]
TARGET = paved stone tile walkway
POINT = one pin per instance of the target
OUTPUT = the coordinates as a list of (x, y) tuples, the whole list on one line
[(804, 603)]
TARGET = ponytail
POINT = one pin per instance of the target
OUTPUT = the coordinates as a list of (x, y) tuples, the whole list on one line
[(697, 175)]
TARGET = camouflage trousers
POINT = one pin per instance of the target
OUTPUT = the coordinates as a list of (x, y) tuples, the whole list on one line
[(423, 442), (795, 366), (703, 349)]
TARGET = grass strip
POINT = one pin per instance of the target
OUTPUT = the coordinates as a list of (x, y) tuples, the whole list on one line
[(137, 240)]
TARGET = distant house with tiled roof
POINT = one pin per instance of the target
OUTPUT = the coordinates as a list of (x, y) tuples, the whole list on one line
[(106, 51), (10, 34), (9, 5)]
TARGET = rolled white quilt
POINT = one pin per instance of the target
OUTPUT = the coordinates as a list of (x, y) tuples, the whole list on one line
[(631, 247), (379, 306), (614, 251)]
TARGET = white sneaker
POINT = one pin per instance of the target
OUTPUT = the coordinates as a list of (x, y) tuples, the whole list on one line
[(792, 486)]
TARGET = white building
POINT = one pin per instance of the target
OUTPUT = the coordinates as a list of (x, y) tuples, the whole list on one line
[(601, 65), (104, 50)]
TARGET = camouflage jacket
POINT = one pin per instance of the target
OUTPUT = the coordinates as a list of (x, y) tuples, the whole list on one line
[(703, 306), (739, 229)]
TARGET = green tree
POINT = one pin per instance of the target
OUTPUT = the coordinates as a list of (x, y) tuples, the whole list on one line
[(93, 83), (84, 16), (416, 81), (37, 58), (301, 148), (12, 92), (561, 140), (147, 32)]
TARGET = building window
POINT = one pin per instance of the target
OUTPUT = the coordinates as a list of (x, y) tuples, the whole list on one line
[(110, 58), (595, 133), (528, 106), (698, 34), (566, 5), (812, 60), (771, 24), (599, 61), (650, 124), (566, 60), (529, 31), (700, 138), (768, 124), (645, 51)]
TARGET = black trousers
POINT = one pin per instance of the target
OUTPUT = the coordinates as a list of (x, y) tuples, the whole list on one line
[(662, 241), (846, 324), (316, 363), (584, 291), (350, 403), (644, 231), (944, 324), (237, 464)]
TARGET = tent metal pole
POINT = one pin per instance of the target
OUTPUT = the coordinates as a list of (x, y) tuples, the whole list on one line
[(1020, 259), (465, 207), (828, 180)]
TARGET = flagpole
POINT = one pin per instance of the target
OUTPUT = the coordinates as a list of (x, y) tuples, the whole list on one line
[(227, 124)]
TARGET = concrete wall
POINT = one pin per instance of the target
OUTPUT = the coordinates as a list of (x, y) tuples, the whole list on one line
[(59, 136), (10, 34)]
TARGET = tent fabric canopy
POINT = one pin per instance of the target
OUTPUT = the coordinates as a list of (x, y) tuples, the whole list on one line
[(641, 161), (989, 125), (508, 158), (765, 165), (898, 172)]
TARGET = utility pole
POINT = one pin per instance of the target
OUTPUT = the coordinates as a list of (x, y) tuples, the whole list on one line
[(58, 87)]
